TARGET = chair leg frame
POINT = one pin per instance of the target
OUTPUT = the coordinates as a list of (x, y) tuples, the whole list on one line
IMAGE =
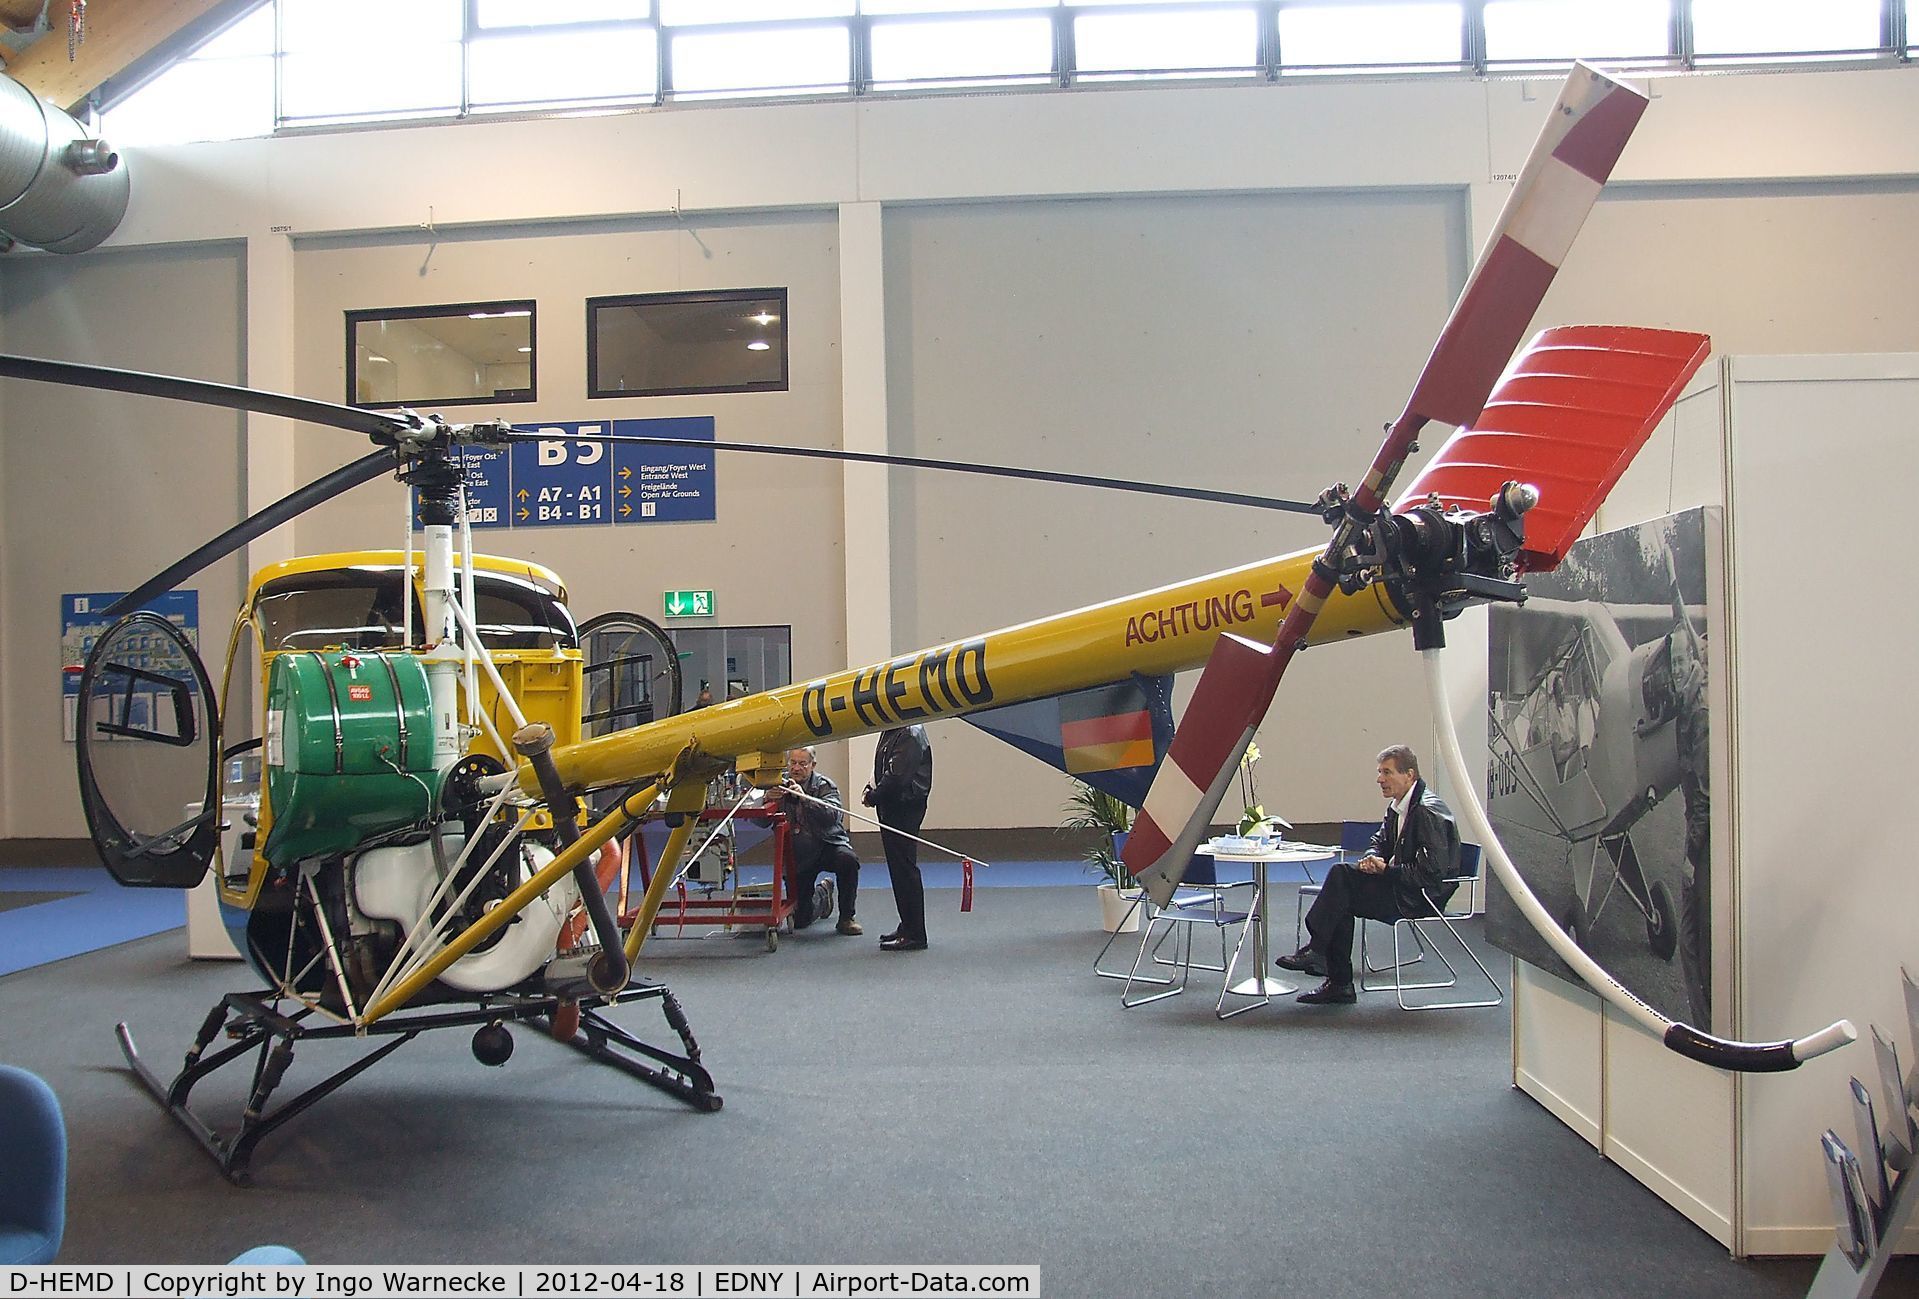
[(1261, 998), (1132, 975), (1399, 987), (1419, 950), (1098, 967), (1169, 987), (1150, 949)]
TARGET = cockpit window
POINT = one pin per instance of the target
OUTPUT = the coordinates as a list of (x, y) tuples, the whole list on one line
[(360, 608)]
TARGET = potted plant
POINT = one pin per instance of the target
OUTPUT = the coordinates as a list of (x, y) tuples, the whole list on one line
[(1110, 819), (1255, 822)]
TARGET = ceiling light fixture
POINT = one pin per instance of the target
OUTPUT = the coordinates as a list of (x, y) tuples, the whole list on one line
[(494, 315), (525, 349), (763, 319), (758, 345)]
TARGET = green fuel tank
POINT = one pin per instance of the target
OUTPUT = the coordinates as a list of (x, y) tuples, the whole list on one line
[(349, 750)]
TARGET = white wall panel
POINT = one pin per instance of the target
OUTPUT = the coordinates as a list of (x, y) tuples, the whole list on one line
[(1761, 268), (1403, 133), (1556, 1048), (1826, 715), (489, 172), (1669, 1122)]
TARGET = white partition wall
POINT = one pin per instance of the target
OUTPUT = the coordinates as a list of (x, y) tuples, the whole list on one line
[(1806, 777), (1827, 714)]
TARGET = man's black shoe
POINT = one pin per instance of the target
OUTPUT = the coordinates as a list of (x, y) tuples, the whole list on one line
[(901, 943), (1304, 961), (887, 938), (1330, 994)]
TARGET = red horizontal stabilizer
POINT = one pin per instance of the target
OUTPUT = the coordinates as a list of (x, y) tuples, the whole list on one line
[(1568, 417)]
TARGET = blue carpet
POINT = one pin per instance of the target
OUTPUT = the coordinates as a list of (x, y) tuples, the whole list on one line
[(98, 913)]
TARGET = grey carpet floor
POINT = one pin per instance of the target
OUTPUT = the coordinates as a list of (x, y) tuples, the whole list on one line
[(987, 1101)]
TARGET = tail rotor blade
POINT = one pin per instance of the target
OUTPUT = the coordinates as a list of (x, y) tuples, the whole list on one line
[(370, 422), (365, 469)]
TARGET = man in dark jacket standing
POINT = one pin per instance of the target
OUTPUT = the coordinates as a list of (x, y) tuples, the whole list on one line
[(820, 843), (902, 779), (1414, 849)]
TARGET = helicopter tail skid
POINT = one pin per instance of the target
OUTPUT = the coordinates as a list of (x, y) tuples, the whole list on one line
[(256, 1027), (1691, 1042)]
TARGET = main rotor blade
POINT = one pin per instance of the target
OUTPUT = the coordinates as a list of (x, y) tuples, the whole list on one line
[(365, 469), (1583, 137), (952, 466), (142, 384)]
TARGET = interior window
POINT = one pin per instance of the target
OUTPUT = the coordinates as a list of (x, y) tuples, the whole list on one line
[(661, 343), (443, 355)]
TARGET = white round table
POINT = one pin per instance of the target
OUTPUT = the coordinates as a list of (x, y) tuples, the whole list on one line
[(1264, 985)]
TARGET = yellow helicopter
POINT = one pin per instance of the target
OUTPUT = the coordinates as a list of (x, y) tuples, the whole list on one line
[(415, 841)]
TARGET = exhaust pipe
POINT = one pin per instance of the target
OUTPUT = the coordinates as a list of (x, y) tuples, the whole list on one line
[(60, 189)]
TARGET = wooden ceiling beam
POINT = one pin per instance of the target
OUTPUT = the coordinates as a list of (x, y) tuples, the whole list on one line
[(119, 33)]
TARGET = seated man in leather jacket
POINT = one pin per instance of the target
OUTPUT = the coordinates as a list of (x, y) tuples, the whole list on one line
[(1415, 848)]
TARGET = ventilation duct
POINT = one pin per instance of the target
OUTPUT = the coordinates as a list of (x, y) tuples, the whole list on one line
[(60, 189)]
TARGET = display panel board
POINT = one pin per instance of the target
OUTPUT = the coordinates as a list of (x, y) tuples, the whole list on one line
[(1598, 778)]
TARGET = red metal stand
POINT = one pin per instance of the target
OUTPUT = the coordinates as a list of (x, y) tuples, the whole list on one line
[(732, 908)]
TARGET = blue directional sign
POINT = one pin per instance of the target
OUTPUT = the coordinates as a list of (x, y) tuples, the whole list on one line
[(664, 484), (557, 480), (561, 480), (488, 487)]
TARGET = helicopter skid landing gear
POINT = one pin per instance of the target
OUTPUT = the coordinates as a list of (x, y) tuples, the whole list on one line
[(682, 1076), (254, 1025)]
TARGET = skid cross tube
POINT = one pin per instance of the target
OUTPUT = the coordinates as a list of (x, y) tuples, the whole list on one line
[(255, 1025)]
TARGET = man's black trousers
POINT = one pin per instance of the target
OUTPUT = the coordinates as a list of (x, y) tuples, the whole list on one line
[(903, 864), (1347, 893), (845, 867)]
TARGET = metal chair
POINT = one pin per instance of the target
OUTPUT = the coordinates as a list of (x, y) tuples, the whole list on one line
[(1468, 872), (1201, 900)]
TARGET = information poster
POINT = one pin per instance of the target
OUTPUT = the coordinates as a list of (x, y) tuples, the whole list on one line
[(82, 623)]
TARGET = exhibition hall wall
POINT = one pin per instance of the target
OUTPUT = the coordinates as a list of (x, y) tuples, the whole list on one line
[(1229, 286), (97, 488), (774, 553)]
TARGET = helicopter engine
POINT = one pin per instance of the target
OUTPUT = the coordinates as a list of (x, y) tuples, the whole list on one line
[(354, 792), (393, 887), (371, 900)]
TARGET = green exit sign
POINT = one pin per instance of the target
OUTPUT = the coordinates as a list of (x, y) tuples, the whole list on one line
[(688, 604)]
